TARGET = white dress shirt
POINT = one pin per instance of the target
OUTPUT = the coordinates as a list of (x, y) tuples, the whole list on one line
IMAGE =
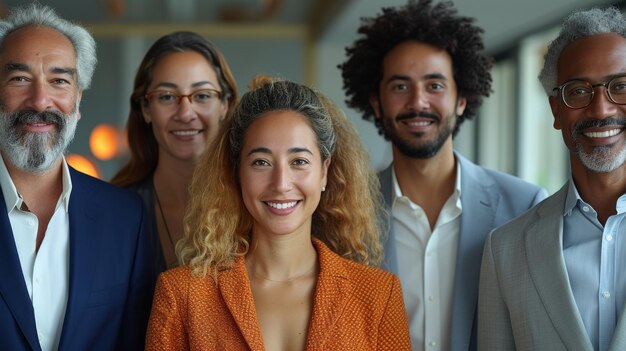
[(426, 261), (46, 272)]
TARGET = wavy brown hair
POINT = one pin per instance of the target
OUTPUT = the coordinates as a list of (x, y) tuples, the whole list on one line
[(218, 225), (144, 150)]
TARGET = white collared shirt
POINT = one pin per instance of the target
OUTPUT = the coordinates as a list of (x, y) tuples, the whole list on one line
[(45, 272), (426, 262)]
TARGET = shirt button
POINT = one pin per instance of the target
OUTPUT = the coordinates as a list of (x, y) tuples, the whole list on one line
[(428, 254), (606, 294), (432, 344), (586, 208), (609, 237), (430, 298)]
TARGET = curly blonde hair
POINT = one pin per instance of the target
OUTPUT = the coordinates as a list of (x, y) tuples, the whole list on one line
[(218, 225)]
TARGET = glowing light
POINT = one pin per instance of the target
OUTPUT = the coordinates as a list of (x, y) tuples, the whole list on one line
[(83, 164), (104, 142)]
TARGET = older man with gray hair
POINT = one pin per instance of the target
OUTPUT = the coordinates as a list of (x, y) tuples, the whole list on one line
[(77, 269), (553, 278)]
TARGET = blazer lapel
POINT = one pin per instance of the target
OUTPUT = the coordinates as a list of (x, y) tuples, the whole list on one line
[(235, 288), (390, 260), (331, 292), (479, 204), (12, 286), (85, 236), (543, 243)]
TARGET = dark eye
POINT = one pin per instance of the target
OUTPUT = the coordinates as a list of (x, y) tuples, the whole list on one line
[(205, 95), (618, 85), (60, 81), (578, 92), (577, 88), (19, 79), (300, 162), (166, 96), (260, 162), (399, 87), (436, 86)]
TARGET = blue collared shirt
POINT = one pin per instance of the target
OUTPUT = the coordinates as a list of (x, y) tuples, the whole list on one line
[(595, 258)]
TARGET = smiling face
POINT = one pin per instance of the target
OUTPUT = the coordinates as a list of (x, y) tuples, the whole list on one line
[(417, 101), (39, 97), (183, 130), (282, 173), (593, 134)]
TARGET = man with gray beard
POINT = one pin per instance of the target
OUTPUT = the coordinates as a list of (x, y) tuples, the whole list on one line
[(77, 269), (553, 278)]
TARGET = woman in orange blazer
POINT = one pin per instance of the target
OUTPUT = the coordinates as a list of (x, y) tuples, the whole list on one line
[(281, 235)]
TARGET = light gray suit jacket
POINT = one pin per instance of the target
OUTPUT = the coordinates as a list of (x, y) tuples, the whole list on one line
[(489, 198), (526, 302)]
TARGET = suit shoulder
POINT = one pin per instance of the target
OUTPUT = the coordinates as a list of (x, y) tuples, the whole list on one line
[(510, 182), (369, 278), (104, 190), (176, 277), (184, 284), (512, 229), (528, 217)]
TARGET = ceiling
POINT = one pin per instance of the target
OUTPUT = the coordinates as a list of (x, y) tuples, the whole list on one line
[(207, 11), (504, 21)]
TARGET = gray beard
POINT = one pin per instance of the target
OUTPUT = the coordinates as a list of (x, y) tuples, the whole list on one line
[(601, 159), (36, 152)]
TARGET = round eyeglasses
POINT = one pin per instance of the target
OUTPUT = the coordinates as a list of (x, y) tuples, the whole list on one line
[(169, 99), (578, 93)]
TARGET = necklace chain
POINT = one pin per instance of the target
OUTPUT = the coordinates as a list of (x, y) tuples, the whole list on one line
[(167, 229)]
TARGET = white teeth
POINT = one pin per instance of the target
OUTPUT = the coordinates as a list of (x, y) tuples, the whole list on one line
[(185, 132), (282, 206), (605, 134), (419, 124)]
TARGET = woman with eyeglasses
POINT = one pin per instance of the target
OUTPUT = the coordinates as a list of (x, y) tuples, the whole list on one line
[(183, 90)]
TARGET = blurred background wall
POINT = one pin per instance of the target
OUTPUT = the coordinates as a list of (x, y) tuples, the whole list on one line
[(304, 41)]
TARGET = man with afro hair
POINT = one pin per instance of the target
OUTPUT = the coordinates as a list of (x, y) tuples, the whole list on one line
[(419, 71)]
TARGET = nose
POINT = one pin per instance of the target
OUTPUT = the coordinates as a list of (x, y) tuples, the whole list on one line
[(281, 179), (418, 100), (185, 112), (39, 98), (601, 106)]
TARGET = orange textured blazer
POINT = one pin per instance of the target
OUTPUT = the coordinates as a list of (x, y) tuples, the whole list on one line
[(355, 307)]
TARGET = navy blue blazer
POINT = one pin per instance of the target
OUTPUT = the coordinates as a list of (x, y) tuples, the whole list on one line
[(111, 278)]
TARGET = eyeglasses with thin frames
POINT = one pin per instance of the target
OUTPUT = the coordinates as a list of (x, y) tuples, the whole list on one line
[(168, 99), (578, 93)]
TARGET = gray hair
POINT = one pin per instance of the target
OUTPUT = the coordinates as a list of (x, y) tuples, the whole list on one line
[(579, 24), (38, 15), (282, 96)]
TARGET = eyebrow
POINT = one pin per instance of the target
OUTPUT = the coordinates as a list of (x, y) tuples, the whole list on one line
[(175, 86), (605, 78), (20, 67), (293, 150), (425, 76)]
